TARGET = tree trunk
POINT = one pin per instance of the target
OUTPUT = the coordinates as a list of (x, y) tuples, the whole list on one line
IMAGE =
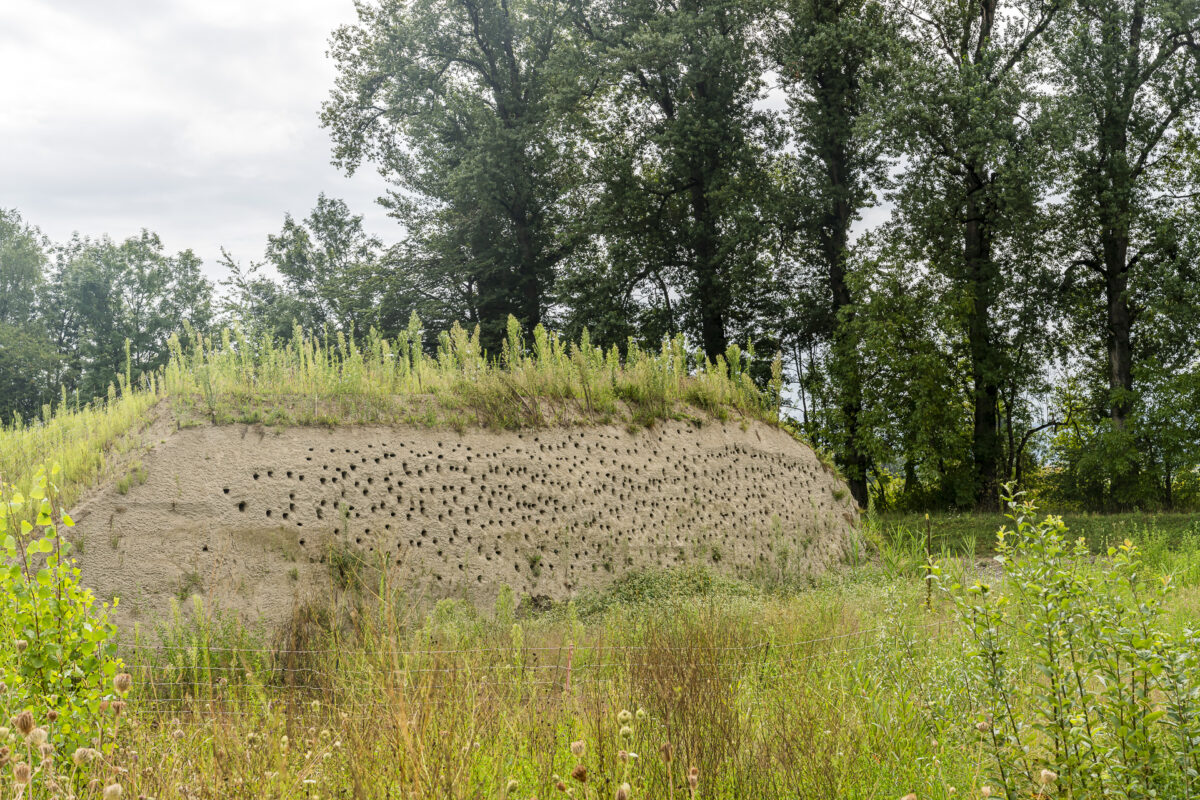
[(982, 280), (711, 288), (1120, 321), (835, 236)]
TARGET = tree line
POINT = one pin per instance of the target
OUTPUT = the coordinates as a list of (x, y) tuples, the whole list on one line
[(970, 228)]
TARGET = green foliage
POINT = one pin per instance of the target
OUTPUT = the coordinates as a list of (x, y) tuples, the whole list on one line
[(467, 106), (57, 647), (1084, 690)]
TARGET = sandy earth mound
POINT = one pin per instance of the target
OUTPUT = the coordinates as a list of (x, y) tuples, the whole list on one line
[(257, 520)]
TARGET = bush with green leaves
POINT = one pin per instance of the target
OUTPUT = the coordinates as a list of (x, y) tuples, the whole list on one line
[(57, 646), (1083, 689)]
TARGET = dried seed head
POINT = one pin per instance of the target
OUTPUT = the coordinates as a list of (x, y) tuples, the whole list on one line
[(512, 785), (52, 715), (626, 732), (910, 796), (123, 682), (562, 787), (38, 737), (982, 726), (23, 722), (1047, 777), (46, 750), (666, 751), (118, 706), (579, 773), (624, 791), (113, 791), (578, 748), (693, 778), (623, 756), (81, 756), (624, 717), (641, 713), (985, 790), (22, 774), (21, 645)]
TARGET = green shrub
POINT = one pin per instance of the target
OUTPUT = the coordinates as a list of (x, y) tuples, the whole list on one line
[(57, 647), (1084, 690)]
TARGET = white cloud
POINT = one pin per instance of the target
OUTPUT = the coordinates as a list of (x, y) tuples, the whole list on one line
[(194, 118)]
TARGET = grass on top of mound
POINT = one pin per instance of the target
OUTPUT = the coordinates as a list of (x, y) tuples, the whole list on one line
[(334, 380)]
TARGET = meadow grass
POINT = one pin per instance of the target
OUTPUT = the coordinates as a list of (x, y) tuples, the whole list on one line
[(766, 696)]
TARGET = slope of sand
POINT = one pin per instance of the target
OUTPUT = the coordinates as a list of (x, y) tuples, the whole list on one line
[(253, 519)]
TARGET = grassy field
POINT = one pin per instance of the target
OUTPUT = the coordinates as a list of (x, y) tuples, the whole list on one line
[(678, 685), (855, 688)]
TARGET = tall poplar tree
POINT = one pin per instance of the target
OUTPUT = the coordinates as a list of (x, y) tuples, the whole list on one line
[(465, 107), (968, 126), (831, 56)]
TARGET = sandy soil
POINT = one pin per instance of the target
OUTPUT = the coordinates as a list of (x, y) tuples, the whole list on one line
[(253, 519)]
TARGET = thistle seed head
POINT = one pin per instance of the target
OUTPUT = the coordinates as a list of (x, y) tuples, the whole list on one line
[(624, 791), (23, 722), (22, 774), (122, 683), (580, 773), (578, 748)]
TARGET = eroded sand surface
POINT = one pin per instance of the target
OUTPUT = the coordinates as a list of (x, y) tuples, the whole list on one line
[(248, 517)]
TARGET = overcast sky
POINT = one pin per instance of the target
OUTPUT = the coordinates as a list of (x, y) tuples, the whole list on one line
[(196, 119)]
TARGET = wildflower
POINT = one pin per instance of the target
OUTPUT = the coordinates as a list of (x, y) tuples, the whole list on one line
[(641, 713), (22, 774), (1047, 777), (122, 683), (624, 791), (624, 717), (578, 748), (579, 773), (626, 732), (113, 791), (23, 722)]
